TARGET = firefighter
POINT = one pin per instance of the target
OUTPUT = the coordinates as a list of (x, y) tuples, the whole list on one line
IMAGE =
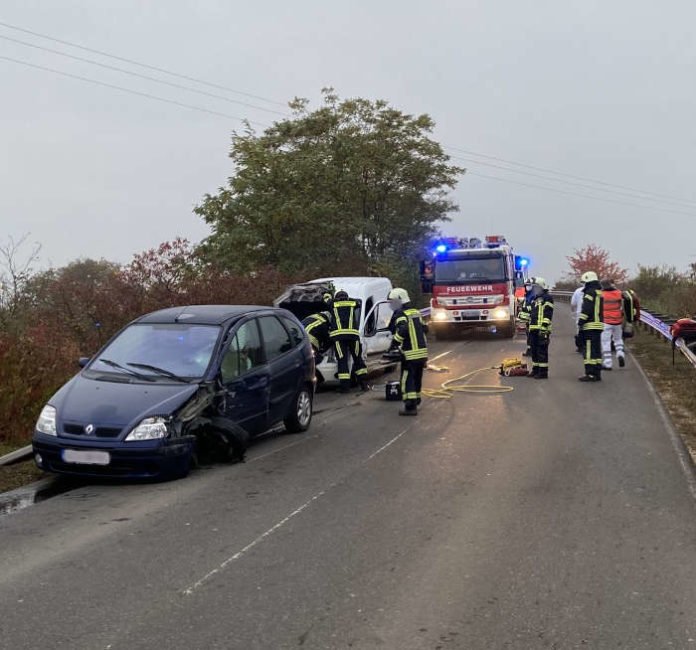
[(591, 326), (318, 328), (409, 336), (541, 315), (525, 313), (613, 317), (631, 312), (345, 337)]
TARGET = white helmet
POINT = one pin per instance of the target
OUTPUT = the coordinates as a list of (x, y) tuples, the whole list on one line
[(399, 295), (540, 282), (590, 276)]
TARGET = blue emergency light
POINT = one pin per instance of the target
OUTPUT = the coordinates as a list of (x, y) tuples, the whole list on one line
[(441, 248)]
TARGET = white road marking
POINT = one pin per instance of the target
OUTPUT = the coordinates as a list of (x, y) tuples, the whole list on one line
[(239, 554), (389, 444)]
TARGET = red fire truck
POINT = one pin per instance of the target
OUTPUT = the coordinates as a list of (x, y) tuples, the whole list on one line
[(473, 284)]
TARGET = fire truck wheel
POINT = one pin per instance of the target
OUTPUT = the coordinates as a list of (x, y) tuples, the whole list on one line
[(508, 331), (442, 332)]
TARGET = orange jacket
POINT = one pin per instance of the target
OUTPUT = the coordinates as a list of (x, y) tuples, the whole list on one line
[(613, 307)]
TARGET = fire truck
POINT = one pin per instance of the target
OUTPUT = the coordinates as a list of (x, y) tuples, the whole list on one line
[(473, 284)]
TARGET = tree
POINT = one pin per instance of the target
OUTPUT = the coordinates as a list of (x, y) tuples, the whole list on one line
[(597, 259), (16, 267), (348, 186)]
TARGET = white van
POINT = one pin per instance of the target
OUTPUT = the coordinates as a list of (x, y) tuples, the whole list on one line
[(306, 299)]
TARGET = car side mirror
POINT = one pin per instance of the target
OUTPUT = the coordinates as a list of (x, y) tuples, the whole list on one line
[(83, 361)]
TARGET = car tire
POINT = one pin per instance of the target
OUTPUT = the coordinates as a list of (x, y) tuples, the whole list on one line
[(236, 439), (299, 418)]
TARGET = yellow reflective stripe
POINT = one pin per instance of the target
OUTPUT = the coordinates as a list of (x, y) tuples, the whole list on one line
[(413, 355)]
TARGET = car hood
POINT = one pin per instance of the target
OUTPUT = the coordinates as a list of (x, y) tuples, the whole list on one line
[(85, 400)]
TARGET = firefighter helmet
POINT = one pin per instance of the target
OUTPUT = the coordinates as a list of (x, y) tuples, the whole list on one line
[(589, 276), (540, 282), (341, 295), (399, 295)]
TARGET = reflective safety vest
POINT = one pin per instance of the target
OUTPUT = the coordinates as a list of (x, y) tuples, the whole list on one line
[(346, 319), (591, 317), (541, 313), (409, 333), (317, 328), (613, 307)]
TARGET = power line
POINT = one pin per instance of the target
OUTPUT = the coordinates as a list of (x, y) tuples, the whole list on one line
[(140, 64), (143, 76), (578, 194), (572, 183), (131, 91), (628, 191), (566, 175)]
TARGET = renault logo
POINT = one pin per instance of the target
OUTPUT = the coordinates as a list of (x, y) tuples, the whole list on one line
[(89, 429)]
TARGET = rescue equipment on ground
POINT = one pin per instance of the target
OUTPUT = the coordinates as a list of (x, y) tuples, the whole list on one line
[(393, 391), (513, 368)]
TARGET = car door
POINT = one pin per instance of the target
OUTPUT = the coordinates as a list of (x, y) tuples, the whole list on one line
[(376, 335), (285, 363), (246, 378)]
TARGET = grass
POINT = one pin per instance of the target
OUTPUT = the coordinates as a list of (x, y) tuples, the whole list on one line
[(14, 476), (676, 384)]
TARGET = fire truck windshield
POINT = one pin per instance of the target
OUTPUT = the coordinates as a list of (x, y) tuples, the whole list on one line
[(470, 269)]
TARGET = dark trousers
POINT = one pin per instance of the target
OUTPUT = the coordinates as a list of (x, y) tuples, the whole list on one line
[(411, 381), (592, 341), (347, 348), (539, 344)]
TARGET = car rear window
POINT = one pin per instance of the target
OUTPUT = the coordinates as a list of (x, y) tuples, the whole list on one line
[(295, 330), (276, 340)]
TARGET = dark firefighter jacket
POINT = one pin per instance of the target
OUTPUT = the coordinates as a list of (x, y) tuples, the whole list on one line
[(409, 333), (592, 315), (346, 319), (541, 313), (318, 327), (525, 311)]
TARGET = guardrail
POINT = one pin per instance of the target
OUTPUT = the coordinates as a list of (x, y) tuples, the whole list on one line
[(16, 456), (660, 324)]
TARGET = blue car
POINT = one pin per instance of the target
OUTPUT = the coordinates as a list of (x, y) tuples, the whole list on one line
[(176, 384)]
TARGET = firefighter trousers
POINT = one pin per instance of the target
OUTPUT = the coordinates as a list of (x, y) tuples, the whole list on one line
[(345, 349), (539, 344), (592, 340), (411, 381)]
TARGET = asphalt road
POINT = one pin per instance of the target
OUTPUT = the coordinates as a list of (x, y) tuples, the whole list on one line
[(556, 516)]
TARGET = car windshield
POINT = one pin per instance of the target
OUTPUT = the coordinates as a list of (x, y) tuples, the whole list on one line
[(162, 351), (470, 269)]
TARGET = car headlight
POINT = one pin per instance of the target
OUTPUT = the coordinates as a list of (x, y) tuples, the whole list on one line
[(439, 314), (149, 429), (501, 313), (47, 421)]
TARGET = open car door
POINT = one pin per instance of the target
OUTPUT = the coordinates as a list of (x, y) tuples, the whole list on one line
[(376, 335)]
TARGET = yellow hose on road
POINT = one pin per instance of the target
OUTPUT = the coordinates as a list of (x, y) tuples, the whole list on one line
[(448, 388)]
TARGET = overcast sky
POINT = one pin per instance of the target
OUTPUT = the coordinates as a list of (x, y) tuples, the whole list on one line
[(590, 88)]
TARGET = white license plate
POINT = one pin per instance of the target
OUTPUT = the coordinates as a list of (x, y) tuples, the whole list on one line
[(86, 457)]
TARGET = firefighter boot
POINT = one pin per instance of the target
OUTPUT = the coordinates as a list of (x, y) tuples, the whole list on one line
[(410, 408)]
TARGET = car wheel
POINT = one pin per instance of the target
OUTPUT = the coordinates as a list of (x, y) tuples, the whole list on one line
[(234, 440), (300, 416)]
